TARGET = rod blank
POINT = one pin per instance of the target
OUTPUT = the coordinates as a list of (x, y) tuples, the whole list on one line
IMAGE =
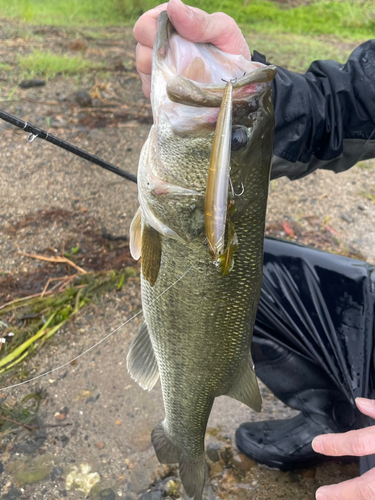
[(36, 132)]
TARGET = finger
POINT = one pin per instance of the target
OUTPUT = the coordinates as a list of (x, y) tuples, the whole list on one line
[(144, 59), (360, 488), (146, 84), (355, 443), (197, 26), (145, 28), (366, 406)]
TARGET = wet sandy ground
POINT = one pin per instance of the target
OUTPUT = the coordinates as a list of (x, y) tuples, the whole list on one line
[(108, 441)]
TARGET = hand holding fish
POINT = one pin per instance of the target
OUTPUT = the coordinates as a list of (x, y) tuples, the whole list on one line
[(356, 443), (193, 24)]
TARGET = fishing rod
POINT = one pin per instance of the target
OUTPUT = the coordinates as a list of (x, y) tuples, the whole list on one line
[(42, 134)]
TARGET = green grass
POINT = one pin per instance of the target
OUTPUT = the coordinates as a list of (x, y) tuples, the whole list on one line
[(366, 165), (66, 12), (5, 67), (296, 52), (370, 194), (353, 19), (48, 64), (23, 412), (51, 312)]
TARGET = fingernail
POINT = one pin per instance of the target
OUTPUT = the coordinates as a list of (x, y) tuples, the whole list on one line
[(180, 2), (317, 445), (320, 496), (366, 403), (187, 9)]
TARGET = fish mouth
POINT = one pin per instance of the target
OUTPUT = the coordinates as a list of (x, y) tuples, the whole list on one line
[(196, 74), (188, 83)]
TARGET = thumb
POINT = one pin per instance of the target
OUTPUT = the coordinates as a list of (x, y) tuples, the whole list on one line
[(197, 26), (366, 406)]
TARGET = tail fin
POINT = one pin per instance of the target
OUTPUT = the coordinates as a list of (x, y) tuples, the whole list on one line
[(192, 470), (192, 474)]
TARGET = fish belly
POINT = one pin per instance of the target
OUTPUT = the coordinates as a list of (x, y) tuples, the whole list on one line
[(201, 332)]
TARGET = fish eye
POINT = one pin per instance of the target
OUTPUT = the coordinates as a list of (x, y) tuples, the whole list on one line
[(239, 138)]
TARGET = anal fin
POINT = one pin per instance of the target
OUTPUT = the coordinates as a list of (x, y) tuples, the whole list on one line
[(151, 253), (245, 388), (165, 450), (141, 360)]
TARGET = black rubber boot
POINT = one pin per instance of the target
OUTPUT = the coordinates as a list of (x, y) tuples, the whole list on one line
[(281, 444), (314, 345), (304, 386)]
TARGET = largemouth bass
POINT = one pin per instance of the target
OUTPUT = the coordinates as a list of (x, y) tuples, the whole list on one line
[(197, 333)]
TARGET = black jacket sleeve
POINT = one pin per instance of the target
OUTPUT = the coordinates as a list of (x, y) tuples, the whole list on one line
[(324, 118)]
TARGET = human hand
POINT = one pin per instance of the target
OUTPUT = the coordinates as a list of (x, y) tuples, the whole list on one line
[(356, 443), (193, 24)]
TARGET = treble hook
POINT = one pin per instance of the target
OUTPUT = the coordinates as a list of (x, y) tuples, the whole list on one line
[(242, 190), (231, 187), (231, 80), (233, 191)]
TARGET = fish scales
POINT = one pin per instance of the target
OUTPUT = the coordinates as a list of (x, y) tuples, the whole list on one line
[(197, 334)]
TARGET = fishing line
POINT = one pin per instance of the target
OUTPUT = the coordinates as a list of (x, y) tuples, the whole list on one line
[(100, 341), (368, 140)]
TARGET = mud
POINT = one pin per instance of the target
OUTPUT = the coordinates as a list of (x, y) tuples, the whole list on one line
[(86, 244), (53, 203)]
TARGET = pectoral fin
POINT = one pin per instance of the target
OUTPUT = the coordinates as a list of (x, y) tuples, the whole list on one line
[(151, 253), (245, 388), (141, 360), (135, 243)]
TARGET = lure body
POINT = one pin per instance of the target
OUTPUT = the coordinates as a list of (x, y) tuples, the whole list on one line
[(218, 176)]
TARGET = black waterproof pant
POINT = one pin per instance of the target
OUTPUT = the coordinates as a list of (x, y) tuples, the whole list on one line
[(319, 309)]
